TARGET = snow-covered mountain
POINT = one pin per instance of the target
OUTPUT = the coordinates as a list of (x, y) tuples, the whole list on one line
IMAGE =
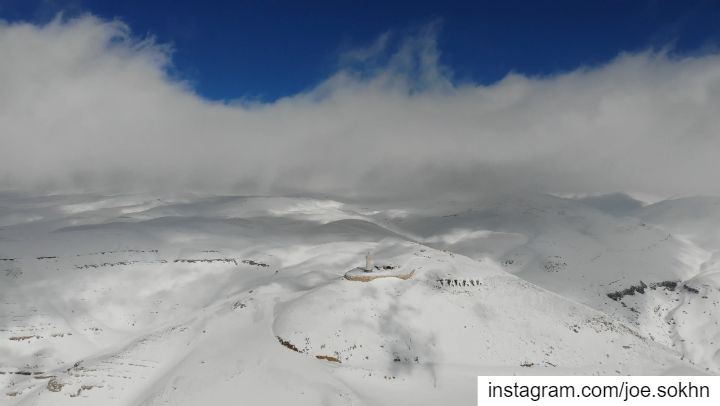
[(183, 300)]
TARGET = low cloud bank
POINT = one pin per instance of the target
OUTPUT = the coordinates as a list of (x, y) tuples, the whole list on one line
[(85, 105)]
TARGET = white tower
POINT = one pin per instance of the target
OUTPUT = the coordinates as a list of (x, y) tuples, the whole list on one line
[(369, 262)]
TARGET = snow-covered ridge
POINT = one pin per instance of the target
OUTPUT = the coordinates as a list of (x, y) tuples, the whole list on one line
[(182, 300)]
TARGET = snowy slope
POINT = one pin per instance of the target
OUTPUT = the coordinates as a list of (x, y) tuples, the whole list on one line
[(189, 299), (587, 249)]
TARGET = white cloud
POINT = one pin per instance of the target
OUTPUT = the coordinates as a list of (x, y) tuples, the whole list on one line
[(84, 104)]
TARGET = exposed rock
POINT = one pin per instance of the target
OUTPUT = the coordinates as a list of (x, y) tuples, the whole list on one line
[(54, 385)]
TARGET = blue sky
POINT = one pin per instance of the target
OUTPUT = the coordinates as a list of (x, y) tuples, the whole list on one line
[(264, 50), (604, 97)]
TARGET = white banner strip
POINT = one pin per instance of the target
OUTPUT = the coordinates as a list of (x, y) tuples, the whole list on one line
[(598, 390)]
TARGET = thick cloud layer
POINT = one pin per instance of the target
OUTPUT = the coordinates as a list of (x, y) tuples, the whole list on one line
[(85, 105)]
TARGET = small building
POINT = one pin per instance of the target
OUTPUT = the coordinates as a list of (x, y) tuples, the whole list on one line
[(371, 271)]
